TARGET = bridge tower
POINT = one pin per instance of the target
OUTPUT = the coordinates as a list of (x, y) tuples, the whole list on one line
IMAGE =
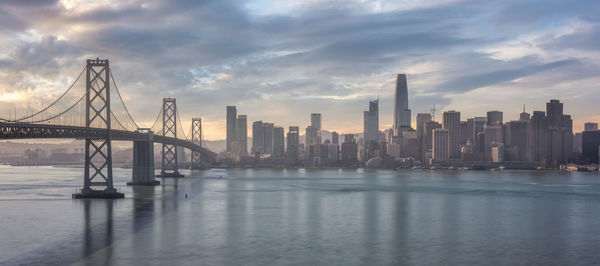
[(169, 165), (98, 152), (196, 161)]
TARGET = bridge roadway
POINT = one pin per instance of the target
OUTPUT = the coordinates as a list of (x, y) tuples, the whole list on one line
[(42, 131)]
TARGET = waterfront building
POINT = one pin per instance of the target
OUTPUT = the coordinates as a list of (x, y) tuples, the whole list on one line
[(441, 137), (371, 122), (241, 139), (451, 122), (268, 137), (401, 112), (349, 150), (422, 119), (278, 143), (231, 127), (315, 122), (516, 138), (590, 144), (258, 138), (293, 145)]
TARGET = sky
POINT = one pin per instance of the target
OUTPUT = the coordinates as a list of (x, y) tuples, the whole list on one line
[(279, 61)]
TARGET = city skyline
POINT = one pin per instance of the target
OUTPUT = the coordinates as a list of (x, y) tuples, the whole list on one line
[(289, 64)]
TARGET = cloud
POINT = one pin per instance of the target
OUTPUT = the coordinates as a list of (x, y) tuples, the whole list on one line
[(302, 56)]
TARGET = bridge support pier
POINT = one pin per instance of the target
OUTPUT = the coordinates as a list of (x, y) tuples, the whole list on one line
[(98, 152), (143, 163)]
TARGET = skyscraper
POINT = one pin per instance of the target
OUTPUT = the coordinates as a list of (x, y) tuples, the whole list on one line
[(494, 118), (451, 122), (441, 143), (278, 143), (258, 138), (401, 111), (268, 135), (315, 122), (524, 116), (335, 138), (242, 135), (560, 129), (516, 137), (590, 126), (538, 139), (293, 145), (231, 124), (422, 119), (371, 122)]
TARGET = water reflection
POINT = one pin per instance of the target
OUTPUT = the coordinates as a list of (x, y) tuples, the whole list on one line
[(99, 236)]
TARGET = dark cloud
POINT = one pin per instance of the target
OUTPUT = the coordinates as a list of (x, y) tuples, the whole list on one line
[(471, 82)]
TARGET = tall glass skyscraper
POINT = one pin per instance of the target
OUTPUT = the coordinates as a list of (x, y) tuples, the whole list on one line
[(231, 127), (401, 111)]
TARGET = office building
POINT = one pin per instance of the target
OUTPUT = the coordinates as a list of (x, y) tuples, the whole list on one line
[(590, 126), (428, 136), (315, 122), (268, 137), (293, 145), (278, 143), (231, 124), (590, 144), (560, 132), (258, 138), (335, 138), (241, 139), (371, 122), (441, 137), (516, 139), (451, 122), (349, 150), (524, 116), (401, 112), (494, 118), (422, 119)]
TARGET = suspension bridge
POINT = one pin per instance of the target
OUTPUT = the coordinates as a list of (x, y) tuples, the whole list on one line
[(89, 116)]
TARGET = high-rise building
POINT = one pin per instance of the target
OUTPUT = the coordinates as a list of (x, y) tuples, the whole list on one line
[(335, 138), (428, 135), (590, 126), (441, 137), (401, 112), (349, 149), (422, 119), (278, 143), (258, 138), (310, 136), (478, 127), (538, 138), (231, 123), (560, 127), (371, 122), (524, 116), (293, 145), (451, 122), (241, 139), (268, 137), (516, 138), (315, 122), (464, 132), (494, 118), (590, 144)]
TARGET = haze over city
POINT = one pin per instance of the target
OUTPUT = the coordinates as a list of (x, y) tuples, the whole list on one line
[(279, 62)]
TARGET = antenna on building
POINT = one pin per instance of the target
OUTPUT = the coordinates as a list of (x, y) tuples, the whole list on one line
[(433, 112), (523, 108)]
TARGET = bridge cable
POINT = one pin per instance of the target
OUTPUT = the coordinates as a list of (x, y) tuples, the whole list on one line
[(121, 98), (157, 118), (47, 107), (117, 120)]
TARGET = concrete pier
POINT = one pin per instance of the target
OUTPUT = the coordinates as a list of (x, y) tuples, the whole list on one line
[(143, 163)]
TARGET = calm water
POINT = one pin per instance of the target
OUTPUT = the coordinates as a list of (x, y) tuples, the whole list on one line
[(304, 217)]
